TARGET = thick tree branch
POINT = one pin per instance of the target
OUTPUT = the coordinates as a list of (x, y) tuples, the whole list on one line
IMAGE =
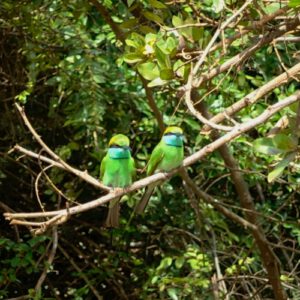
[(152, 104), (255, 95), (268, 257), (237, 131), (106, 16)]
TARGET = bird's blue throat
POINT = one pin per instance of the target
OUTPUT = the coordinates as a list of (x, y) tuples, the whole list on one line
[(119, 153), (173, 140)]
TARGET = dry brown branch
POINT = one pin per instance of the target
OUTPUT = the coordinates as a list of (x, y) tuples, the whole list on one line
[(255, 95), (83, 175), (282, 123), (237, 131), (257, 25), (196, 113), (49, 260), (152, 104), (242, 56), (268, 257), (217, 33)]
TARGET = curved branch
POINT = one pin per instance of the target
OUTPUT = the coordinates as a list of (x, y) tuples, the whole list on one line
[(254, 96), (237, 59), (237, 131), (83, 175)]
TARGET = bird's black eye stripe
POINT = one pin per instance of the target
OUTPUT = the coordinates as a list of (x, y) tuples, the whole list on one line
[(115, 146), (120, 147), (173, 133)]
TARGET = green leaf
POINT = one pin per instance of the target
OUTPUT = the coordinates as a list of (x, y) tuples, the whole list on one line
[(279, 168), (153, 17), (148, 70), (218, 5), (136, 40), (157, 82), (178, 68), (176, 21), (294, 3), (165, 263), (166, 74), (132, 58), (197, 33), (130, 2), (150, 38), (162, 58), (129, 24), (172, 293), (285, 142), (271, 8), (157, 4), (266, 146), (179, 262)]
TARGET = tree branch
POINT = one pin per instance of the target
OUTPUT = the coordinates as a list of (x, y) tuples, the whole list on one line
[(57, 160), (238, 130), (106, 16), (254, 96), (269, 259), (217, 33), (237, 59)]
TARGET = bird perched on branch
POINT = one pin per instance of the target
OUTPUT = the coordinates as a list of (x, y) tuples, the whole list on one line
[(167, 155), (116, 170)]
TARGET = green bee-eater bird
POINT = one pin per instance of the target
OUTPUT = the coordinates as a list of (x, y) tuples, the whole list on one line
[(167, 155), (116, 170)]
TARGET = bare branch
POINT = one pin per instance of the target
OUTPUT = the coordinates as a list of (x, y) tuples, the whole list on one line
[(237, 59), (83, 175), (49, 260), (255, 95), (197, 114), (237, 131), (217, 33)]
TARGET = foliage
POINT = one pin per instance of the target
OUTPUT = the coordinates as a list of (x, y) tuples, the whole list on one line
[(79, 81)]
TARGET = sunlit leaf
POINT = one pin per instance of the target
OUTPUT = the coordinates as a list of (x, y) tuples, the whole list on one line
[(132, 58), (157, 4), (153, 17), (279, 168), (148, 70), (266, 146)]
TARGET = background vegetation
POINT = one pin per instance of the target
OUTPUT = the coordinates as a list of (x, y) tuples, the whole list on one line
[(85, 70)]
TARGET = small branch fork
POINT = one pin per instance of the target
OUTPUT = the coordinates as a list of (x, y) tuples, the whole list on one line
[(57, 160), (61, 216)]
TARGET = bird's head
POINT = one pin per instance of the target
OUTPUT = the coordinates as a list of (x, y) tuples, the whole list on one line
[(119, 147), (119, 141), (173, 130), (173, 136)]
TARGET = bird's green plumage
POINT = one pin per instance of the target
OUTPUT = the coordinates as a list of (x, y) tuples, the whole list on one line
[(116, 170), (167, 155)]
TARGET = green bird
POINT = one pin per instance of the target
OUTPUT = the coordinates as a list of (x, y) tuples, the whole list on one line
[(116, 170), (167, 155)]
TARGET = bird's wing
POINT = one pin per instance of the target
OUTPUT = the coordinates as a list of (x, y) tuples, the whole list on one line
[(103, 167), (132, 167), (155, 158)]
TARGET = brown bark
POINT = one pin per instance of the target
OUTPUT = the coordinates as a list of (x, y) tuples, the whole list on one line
[(268, 257)]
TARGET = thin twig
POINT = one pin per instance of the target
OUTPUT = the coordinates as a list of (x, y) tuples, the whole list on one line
[(49, 262), (83, 175)]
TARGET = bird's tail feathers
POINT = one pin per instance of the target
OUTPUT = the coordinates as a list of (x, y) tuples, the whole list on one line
[(140, 207), (112, 219)]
